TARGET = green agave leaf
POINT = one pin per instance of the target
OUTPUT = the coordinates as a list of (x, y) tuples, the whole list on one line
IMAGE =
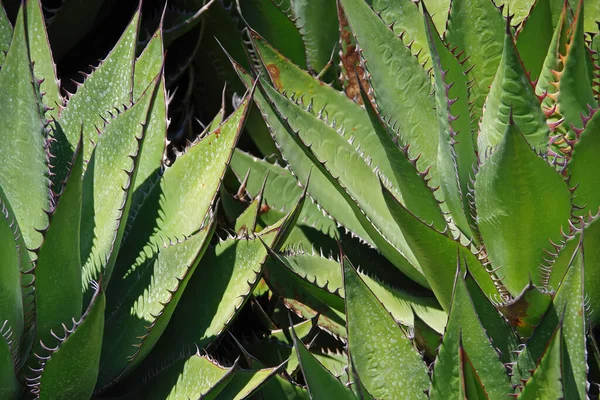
[(304, 296), (109, 86), (41, 56), (23, 169), (476, 29), (243, 384), (147, 67), (161, 213), (359, 128), (439, 12), (224, 281), (58, 296), (456, 152), (546, 381), (273, 24), (153, 292), (187, 378), (406, 20), (107, 188), (426, 338), (568, 310), (317, 23), (525, 311), (465, 335), (320, 382), (70, 369), (6, 33), (592, 257), (383, 356), (64, 35), (512, 95), (273, 353), (401, 87), (436, 252), (281, 190), (575, 93), (11, 294), (335, 361), (471, 385), (302, 330), (535, 35), (9, 385), (514, 228), (501, 334), (587, 196)]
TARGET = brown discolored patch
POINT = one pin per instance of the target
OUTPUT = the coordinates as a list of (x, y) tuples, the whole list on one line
[(263, 209), (350, 59), (217, 133), (274, 74)]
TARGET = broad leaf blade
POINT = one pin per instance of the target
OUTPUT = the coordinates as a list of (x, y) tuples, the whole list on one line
[(385, 359)]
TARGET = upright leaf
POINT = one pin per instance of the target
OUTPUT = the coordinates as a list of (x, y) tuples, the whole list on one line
[(6, 33), (23, 168), (9, 385), (514, 227), (388, 365)]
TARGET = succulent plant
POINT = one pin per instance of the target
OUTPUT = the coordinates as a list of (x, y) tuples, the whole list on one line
[(102, 243), (466, 161)]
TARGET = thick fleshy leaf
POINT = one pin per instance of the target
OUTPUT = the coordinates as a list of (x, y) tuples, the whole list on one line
[(188, 378), (511, 95), (515, 230), (584, 160), (11, 295), (437, 253), (245, 224), (147, 67), (23, 168), (476, 28), (191, 183), (281, 191), (320, 382), (405, 18), (147, 305), (223, 281), (385, 359), (281, 388), (575, 93), (317, 23), (58, 295), (401, 87), (525, 310), (243, 384), (464, 330), (546, 382), (41, 56), (71, 368), (456, 152), (109, 86), (107, 188)]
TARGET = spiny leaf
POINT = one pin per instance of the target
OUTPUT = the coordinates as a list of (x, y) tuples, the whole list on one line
[(153, 292), (41, 56), (243, 384), (109, 86), (6, 33), (436, 253), (464, 330), (515, 230), (385, 359), (526, 309), (456, 151), (58, 295), (511, 94), (107, 188), (281, 388), (70, 370), (9, 385), (23, 168), (476, 28), (401, 87)]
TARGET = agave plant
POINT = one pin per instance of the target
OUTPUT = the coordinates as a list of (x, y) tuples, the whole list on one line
[(102, 244), (470, 169)]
